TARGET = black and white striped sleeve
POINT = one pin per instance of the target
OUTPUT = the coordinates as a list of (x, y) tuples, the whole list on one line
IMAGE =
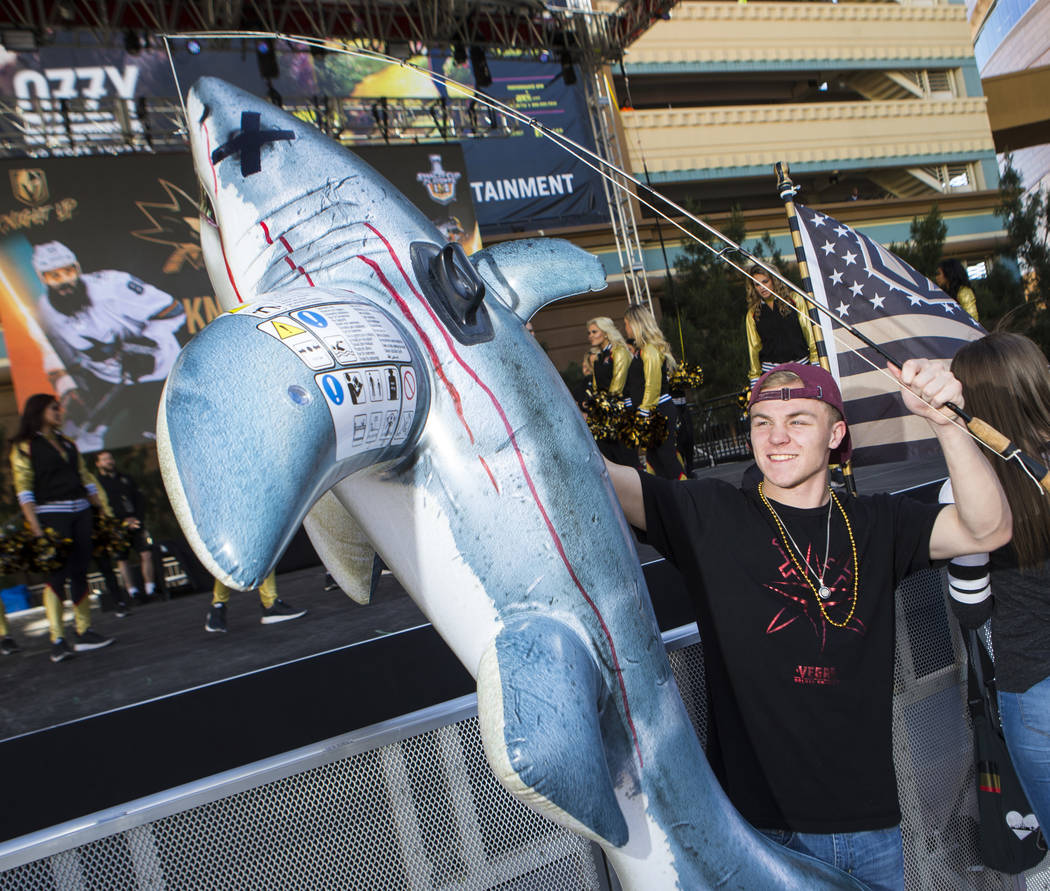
[(968, 581)]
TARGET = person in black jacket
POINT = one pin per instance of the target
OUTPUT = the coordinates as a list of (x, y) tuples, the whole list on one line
[(56, 491), (127, 504), (1005, 381)]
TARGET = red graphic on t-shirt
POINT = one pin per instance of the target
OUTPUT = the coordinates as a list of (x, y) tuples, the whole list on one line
[(822, 675), (802, 601)]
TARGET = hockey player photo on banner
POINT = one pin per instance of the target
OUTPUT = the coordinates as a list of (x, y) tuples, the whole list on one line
[(101, 283)]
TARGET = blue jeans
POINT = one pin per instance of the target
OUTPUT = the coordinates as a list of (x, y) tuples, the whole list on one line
[(1026, 726), (876, 857)]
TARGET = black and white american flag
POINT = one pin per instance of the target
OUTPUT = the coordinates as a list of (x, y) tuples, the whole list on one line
[(873, 290)]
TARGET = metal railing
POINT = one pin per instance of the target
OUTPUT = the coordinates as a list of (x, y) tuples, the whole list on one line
[(720, 431)]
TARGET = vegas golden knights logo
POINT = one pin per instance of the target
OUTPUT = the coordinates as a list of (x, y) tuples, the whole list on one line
[(29, 185)]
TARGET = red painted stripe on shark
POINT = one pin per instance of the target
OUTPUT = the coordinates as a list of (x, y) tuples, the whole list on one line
[(287, 247), (528, 479), (452, 391), (215, 178), (489, 472)]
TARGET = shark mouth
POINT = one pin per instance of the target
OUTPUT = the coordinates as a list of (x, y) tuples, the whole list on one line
[(204, 205)]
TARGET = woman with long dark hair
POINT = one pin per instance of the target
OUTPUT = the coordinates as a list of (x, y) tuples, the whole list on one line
[(777, 327), (648, 388), (55, 490), (1006, 382), (952, 278)]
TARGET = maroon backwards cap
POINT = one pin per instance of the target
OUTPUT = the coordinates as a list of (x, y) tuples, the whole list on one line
[(816, 384)]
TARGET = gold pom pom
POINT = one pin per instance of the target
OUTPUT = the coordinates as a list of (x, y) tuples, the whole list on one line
[(604, 414), (685, 377), (21, 551), (109, 538), (645, 431)]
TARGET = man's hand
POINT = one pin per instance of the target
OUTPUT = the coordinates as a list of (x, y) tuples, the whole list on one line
[(932, 380)]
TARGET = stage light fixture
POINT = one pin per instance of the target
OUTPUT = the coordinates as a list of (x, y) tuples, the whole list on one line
[(133, 42), (480, 66), (19, 40), (568, 73), (266, 57), (193, 47), (459, 54)]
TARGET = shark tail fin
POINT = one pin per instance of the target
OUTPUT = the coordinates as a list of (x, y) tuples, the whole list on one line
[(342, 546), (538, 694)]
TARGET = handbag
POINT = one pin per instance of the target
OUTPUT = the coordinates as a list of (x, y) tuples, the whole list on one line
[(1010, 838)]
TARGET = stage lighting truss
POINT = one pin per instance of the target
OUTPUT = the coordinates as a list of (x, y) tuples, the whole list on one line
[(524, 25), (73, 127)]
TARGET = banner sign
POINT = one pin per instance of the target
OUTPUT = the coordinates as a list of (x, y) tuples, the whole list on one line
[(524, 181), (101, 282), (102, 278), (434, 178), (519, 179), (67, 96)]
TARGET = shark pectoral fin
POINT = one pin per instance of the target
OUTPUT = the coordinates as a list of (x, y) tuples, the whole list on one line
[(538, 693), (343, 547), (529, 273)]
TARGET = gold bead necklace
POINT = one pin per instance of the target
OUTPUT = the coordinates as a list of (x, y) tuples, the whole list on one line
[(785, 536)]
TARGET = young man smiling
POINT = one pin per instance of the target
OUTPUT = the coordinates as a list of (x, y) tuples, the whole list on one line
[(794, 593)]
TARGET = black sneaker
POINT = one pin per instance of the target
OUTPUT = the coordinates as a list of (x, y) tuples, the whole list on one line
[(9, 646), (216, 620), (60, 650), (91, 640), (330, 584), (280, 612), (122, 610)]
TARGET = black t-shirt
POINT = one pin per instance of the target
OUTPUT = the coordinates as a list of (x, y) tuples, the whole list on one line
[(801, 711), (1020, 622), (123, 495)]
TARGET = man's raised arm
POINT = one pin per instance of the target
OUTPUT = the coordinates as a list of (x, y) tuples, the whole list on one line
[(980, 520), (629, 490)]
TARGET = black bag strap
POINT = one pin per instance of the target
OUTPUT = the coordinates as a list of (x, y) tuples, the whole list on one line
[(981, 691)]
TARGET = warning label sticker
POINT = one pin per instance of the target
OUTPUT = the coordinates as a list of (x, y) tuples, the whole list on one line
[(371, 405), (354, 332), (299, 341), (362, 361)]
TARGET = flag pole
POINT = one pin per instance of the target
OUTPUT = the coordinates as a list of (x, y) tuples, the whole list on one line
[(786, 189)]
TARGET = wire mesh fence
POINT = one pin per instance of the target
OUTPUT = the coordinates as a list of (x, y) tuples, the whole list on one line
[(425, 812)]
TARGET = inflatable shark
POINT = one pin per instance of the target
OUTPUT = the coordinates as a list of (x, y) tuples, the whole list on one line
[(379, 383)]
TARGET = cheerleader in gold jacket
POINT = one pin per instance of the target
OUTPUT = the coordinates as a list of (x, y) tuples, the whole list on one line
[(610, 359), (777, 331), (55, 489), (649, 391)]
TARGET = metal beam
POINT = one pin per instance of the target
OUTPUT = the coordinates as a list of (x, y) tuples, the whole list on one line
[(503, 24)]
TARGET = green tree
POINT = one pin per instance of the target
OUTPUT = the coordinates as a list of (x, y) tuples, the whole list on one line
[(704, 306), (1013, 296), (703, 312), (1018, 302), (925, 247)]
